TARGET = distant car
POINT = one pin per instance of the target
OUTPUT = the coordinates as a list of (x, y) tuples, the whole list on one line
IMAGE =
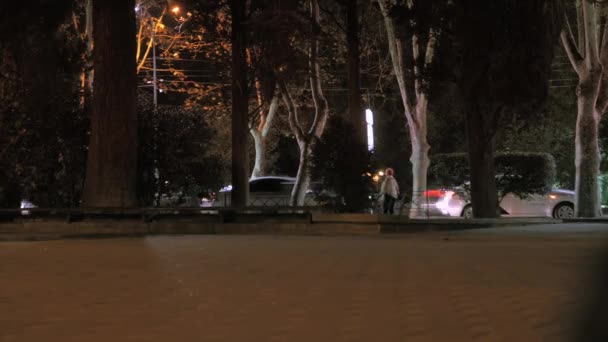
[(26, 204), (557, 204), (269, 191)]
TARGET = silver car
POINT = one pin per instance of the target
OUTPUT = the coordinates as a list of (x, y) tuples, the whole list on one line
[(557, 204), (269, 191)]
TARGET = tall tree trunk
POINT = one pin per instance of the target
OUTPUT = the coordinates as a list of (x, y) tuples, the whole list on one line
[(240, 119), (260, 134), (259, 142), (587, 157), (356, 115), (298, 193), (484, 196), (589, 58), (112, 157), (415, 103), (420, 165), (306, 139)]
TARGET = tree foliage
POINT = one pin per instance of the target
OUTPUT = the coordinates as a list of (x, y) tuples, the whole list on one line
[(519, 173), (342, 165), (42, 125)]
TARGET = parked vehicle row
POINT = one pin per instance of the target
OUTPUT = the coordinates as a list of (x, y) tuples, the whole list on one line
[(557, 204), (269, 191)]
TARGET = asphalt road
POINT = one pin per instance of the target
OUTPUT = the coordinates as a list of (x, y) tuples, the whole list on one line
[(508, 285)]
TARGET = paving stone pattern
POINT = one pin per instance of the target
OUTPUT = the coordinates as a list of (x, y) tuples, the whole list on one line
[(295, 288)]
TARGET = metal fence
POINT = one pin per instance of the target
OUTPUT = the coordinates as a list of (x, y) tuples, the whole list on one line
[(413, 206)]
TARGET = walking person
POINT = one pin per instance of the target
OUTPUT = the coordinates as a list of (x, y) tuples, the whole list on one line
[(390, 190)]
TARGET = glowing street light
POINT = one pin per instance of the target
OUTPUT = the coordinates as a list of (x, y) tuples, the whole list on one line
[(175, 10), (369, 119)]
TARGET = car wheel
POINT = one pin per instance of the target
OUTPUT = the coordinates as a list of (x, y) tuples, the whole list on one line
[(563, 211), (467, 212)]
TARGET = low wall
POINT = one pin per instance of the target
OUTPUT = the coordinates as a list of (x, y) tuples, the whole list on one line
[(93, 224)]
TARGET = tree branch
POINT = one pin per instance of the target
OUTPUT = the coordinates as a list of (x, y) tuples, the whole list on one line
[(333, 18), (143, 60), (592, 58), (570, 47), (272, 110), (319, 100), (395, 49), (292, 111)]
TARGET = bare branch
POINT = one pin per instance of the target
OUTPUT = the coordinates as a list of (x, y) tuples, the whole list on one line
[(319, 100), (332, 16), (143, 60), (139, 41), (395, 49), (417, 73), (292, 111), (590, 13), (272, 110), (570, 47)]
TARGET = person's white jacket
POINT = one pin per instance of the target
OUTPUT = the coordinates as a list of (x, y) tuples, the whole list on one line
[(390, 187)]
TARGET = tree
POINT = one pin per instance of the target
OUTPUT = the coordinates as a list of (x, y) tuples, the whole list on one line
[(423, 40), (337, 151), (589, 58), (504, 52), (307, 138), (240, 103), (259, 132), (269, 49), (185, 162), (42, 127), (111, 175)]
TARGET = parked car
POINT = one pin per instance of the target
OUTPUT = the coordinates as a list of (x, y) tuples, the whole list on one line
[(269, 191), (558, 204)]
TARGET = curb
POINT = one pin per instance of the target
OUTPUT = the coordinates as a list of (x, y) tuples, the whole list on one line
[(52, 228)]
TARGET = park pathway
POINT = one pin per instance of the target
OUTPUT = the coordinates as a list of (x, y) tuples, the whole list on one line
[(423, 287)]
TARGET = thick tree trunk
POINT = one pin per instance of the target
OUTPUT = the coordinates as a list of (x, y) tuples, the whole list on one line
[(298, 193), (240, 119), (415, 103), (112, 157), (356, 114), (307, 139), (259, 141), (587, 157), (420, 164), (260, 134), (484, 196)]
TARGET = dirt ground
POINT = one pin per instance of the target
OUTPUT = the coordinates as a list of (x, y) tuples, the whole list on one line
[(424, 287)]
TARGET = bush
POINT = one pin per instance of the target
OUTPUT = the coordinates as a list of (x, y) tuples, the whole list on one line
[(342, 165), (180, 141), (520, 173)]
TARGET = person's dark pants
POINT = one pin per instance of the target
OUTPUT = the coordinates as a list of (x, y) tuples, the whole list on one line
[(389, 203)]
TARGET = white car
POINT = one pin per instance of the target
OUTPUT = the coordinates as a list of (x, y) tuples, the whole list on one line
[(557, 204), (269, 191)]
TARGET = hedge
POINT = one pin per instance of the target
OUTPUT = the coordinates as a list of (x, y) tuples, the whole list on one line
[(520, 173)]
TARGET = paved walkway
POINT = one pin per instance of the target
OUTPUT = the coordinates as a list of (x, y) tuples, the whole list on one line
[(431, 287)]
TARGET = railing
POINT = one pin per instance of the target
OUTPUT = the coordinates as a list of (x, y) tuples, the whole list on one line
[(151, 214), (274, 201), (419, 206)]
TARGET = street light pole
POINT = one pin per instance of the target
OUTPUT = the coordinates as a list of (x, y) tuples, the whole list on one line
[(154, 82)]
